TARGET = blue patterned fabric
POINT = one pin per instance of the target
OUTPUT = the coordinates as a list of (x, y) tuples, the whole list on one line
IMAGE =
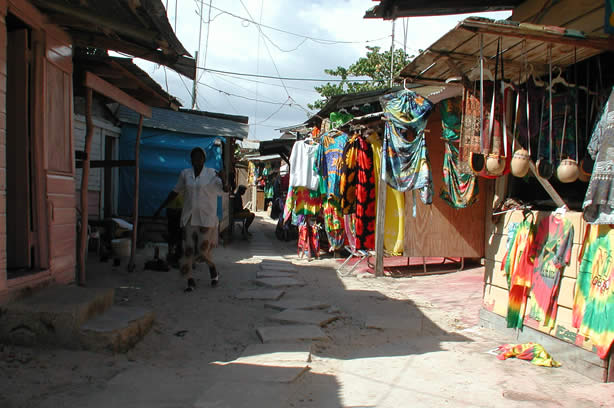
[(407, 163)]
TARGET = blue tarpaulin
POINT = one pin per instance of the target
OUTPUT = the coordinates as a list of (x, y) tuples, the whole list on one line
[(163, 154)]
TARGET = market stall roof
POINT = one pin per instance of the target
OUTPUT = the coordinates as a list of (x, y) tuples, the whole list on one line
[(350, 100), (126, 76), (139, 28), (391, 9), (263, 158), (456, 54), (186, 121), (281, 147)]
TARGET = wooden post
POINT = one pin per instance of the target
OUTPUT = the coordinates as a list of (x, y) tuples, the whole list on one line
[(381, 213), (135, 210), (85, 175)]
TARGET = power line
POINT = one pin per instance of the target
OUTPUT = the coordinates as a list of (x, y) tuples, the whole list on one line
[(242, 87), (286, 78), (315, 39), (264, 83), (241, 96), (268, 50)]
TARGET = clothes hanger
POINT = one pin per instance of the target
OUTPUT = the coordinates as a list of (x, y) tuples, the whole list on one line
[(531, 74), (343, 110), (559, 79)]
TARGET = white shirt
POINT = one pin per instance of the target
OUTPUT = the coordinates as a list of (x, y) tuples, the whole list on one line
[(200, 197), (302, 160)]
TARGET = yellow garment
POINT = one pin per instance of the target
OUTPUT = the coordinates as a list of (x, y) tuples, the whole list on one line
[(395, 204), (177, 202)]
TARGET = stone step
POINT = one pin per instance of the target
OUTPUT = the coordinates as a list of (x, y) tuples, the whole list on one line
[(278, 266), (290, 333), (272, 274), (260, 294), (117, 330), (291, 316), (53, 316), (297, 303), (279, 282)]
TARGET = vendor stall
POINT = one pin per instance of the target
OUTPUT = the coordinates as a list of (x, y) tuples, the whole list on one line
[(535, 119)]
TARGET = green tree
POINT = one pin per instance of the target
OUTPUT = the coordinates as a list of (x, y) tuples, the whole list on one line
[(376, 65)]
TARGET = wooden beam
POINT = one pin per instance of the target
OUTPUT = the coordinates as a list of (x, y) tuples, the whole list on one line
[(473, 59), (97, 164), (89, 133), (135, 210), (544, 36), (558, 200), (380, 217), (103, 87)]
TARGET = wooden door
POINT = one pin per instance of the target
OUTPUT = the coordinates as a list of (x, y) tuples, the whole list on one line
[(18, 153)]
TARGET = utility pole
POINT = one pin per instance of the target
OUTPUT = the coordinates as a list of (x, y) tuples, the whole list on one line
[(194, 83), (392, 56)]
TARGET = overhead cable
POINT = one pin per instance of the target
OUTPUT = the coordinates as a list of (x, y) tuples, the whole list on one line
[(287, 78), (315, 39)]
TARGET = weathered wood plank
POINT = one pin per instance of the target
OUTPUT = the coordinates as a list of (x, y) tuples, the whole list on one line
[(103, 87)]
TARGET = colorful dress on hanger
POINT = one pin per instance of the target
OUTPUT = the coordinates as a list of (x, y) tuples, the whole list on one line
[(550, 253), (460, 189), (329, 161), (593, 310), (407, 163), (357, 189), (394, 227), (519, 269), (598, 203)]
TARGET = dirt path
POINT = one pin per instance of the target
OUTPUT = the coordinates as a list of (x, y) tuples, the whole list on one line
[(427, 350)]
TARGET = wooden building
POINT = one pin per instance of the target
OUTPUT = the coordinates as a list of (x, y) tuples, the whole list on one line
[(576, 34), (38, 220)]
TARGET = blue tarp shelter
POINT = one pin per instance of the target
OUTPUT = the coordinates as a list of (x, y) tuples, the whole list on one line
[(166, 141)]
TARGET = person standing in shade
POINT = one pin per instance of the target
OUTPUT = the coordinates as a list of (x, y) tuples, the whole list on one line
[(240, 213), (200, 187)]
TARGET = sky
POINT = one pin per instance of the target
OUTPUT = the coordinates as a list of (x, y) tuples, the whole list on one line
[(318, 35)]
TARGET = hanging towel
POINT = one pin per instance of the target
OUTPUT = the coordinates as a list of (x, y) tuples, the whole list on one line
[(460, 189), (407, 164)]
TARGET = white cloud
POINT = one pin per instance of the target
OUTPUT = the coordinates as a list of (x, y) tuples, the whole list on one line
[(234, 46)]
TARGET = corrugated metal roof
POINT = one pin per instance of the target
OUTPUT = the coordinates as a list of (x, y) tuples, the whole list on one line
[(457, 52), (184, 122), (391, 9), (140, 28)]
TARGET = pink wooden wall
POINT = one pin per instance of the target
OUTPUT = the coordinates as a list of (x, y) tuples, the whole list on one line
[(54, 145)]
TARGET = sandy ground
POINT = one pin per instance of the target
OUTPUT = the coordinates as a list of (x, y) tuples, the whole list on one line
[(442, 360)]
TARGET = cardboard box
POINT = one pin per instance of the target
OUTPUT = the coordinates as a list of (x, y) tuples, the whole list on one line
[(493, 274), (495, 300)]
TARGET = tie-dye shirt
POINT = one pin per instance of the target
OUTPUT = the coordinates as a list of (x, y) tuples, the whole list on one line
[(550, 253), (593, 311)]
